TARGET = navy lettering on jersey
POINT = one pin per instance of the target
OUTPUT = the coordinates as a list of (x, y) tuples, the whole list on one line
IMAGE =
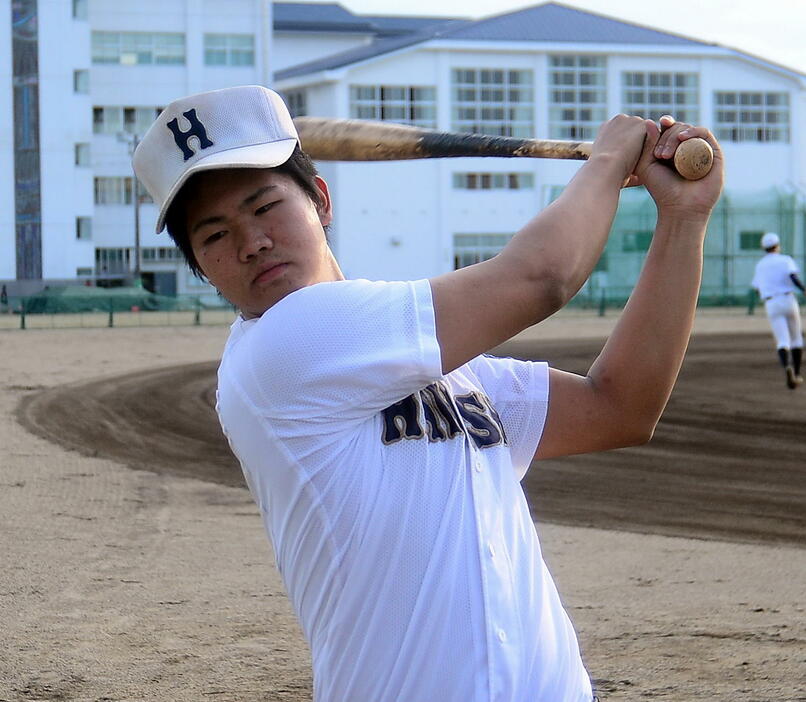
[(196, 130), (442, 418), (483, 423), (402, 420)]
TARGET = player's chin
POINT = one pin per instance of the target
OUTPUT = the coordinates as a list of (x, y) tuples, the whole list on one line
[(265, 298)]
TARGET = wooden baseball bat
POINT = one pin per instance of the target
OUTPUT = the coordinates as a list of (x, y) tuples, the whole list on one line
[(325, 139)]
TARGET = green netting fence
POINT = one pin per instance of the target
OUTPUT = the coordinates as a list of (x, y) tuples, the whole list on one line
[(83, 306), (732, 246)]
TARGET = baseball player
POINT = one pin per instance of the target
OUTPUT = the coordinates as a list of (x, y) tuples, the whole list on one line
[(383, 447), (776, 279)]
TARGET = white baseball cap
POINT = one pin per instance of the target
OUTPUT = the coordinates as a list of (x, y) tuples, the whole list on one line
[(769, 240), (247, 126)]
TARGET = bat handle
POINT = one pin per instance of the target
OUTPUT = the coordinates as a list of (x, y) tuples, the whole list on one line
[(693, 158)]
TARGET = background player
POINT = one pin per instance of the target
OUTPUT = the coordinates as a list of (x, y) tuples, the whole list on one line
[(382, 447), (776, 279)]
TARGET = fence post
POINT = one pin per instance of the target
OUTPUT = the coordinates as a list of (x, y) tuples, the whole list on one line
[(22, 313), (602, 303), (197, 316), (751, 302), (111, 312)]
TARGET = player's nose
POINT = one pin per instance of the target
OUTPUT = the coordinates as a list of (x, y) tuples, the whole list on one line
[(254, 240)]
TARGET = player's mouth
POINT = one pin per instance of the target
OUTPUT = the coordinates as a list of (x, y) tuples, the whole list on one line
[(270, 271)]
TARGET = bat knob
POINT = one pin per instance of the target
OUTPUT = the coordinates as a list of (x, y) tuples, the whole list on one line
[(693, 158)]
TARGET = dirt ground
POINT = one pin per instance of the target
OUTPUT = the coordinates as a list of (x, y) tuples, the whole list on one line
[(681, 563)]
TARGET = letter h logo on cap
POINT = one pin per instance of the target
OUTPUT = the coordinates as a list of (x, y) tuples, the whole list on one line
[(196, 129)]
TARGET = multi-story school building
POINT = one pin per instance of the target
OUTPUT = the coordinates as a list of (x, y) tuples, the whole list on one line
[(81, 80)]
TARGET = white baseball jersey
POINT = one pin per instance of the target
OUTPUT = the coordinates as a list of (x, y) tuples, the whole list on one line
[(772, 275), (391, 494)]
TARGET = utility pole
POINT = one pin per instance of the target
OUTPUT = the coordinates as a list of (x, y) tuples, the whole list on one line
[(132, 140), (138, 281)]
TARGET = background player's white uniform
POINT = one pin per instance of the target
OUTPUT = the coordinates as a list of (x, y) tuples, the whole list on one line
[(391, 494), (773, 281)]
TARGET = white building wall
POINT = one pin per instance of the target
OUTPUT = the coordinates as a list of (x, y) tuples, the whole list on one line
[(8, 256), (778, 161), (156, 86), (64, 120), (398, 220), (393, 220)]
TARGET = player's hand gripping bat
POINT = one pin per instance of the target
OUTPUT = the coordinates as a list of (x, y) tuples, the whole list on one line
[(325, 139)]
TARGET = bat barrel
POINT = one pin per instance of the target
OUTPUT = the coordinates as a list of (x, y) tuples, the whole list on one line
[(453, 144), (366, 140)]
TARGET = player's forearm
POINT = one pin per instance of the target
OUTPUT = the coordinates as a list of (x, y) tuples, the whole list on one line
[(638, 366), (557, 250)]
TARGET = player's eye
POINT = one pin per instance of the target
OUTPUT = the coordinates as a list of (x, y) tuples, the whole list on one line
[(266, 207), (213, 238)]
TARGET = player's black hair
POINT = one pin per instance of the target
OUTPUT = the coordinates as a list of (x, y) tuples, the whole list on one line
[(298, 166)]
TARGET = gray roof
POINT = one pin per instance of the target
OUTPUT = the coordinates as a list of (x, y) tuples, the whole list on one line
[(551, 22), (345, 58), (318, 17), (554, 22), (390, 26)]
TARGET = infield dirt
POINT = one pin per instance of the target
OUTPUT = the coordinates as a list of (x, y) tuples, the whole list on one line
[(681, 563)]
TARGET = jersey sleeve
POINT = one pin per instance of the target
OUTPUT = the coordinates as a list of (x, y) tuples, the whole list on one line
[(340, 350), (756, 282), (519, 391), (792, 267)]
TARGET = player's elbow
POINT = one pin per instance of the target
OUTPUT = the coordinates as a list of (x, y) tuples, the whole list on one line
[(632, 422), (551, 291), (640, 434)]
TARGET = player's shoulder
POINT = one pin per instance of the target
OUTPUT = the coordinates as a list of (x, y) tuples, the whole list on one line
[(325, 312), (351, 290)]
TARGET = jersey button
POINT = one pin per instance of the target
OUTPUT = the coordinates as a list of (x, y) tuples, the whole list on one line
[(492, 550), (502, 635), (477, 466)]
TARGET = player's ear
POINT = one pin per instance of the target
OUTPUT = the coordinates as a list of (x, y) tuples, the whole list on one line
[(324, 207)]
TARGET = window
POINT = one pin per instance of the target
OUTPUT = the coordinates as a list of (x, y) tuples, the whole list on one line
[(113, 191), (745, 116), (83, 272), (750, 241), (81, 81), (114, 119), (229, 50), (652, 95), (493, 181), (80, 9), (113, 261), (492, 101), (408, 104), (577, 96), (474, 248), (636, 241), (138, 48), (297, 102), (82, 154), (117, 190), (157, 254), (83, 228)]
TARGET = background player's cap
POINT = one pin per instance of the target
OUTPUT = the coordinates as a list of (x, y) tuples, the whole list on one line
[(244, 127), (769, 240)]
